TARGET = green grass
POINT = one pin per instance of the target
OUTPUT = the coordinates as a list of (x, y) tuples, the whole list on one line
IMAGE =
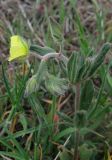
[(56, 106)]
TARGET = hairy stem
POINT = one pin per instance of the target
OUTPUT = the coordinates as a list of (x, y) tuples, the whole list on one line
[(77, 98), (77, 132), (59, 56)]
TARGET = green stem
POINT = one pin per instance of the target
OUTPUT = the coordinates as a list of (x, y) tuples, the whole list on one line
[(77, 133), (77, 97), (77, 138)]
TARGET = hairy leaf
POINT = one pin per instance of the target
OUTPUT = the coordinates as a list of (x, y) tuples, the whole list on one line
[(56, 85), (72, 67), (97, 60), (41, 50), (75, 67)]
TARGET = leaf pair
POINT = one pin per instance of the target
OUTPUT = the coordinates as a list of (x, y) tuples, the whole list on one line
[(53, 84), (80, 68), (97, 60)]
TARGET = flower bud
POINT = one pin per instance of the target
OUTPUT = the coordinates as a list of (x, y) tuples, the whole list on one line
[(32, 86)]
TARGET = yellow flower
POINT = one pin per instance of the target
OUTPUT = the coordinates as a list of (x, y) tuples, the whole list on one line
[(19, 48)]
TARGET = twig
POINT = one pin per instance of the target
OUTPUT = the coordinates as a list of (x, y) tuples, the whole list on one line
[(63, 146), (65, 101), (6, 158)]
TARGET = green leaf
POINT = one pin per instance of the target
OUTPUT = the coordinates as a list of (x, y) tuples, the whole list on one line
[(7, 85), (19, 147), (22, 87), (75, 67), (54, 30), (62, 12), (64, 155), (41, 73), (87, 94), (80, 118), (37, 108), (96, 104), (36, 152), (56, 85), (85, 152), (52, 112), (12, 155), (23, 121), (80, 72), (109, 78), (87, 131), (41, 50), (98, 116), (65, 117), (16, 147), (63, 133), (82, 38), (86, 69), (6, 144), (97, 60), (72, 67)]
